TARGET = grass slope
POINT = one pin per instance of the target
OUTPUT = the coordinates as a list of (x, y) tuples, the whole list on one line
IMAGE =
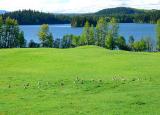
[(86, 80)]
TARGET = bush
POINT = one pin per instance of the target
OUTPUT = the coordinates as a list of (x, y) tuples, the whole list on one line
[(33, 44), (139, 45), (121, 43)]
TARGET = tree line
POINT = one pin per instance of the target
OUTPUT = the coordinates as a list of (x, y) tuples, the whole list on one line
[(123, 15), (31, 17), (105, 34), (147, 17)]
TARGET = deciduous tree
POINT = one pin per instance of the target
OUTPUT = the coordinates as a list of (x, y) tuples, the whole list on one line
[(45, 36), (101, 31)]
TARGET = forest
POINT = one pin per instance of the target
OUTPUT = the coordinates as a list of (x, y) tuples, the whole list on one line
[(31, 17), (122, 14)]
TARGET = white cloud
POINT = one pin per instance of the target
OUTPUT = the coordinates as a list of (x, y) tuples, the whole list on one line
[(75, 6)]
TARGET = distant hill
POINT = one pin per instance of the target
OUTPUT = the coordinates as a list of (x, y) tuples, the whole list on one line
[(120, 11), (2, 11), (122, 14)]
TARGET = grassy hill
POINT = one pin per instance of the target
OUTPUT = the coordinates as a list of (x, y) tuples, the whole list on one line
[(86, 80)]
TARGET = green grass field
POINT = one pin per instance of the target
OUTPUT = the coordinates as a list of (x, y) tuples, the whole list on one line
[(86, 80)]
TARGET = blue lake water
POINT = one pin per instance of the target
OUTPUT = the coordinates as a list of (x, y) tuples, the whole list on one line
[(58, 31)]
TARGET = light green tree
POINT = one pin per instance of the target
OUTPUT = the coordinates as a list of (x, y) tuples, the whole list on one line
[(11, 33), (112, 34), (43, 33), (45, 36), (75, 41), (101, 31), (91, 36), (110, 42), (85, 34), (114, 28)]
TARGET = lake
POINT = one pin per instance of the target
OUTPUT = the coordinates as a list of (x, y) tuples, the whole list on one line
[(58, 31)]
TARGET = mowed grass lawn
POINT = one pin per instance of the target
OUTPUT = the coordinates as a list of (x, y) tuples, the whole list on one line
[(86, 80)]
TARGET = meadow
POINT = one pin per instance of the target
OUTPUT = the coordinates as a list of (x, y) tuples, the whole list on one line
[(86, 80)]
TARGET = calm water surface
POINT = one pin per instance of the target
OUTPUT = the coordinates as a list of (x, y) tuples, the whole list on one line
[(58, 31)]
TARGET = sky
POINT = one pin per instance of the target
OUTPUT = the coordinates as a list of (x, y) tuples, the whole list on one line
[(75, 6)]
